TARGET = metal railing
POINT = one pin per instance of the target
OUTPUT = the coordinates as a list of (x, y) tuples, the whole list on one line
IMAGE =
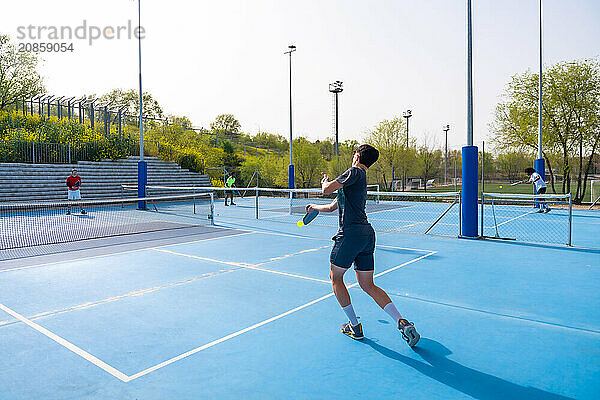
[(19, 151), (104, 115)]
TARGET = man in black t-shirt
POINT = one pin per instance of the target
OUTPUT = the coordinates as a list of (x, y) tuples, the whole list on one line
[(355, 243)]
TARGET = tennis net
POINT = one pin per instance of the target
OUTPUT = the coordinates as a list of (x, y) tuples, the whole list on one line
[(34, 224), (544, 218), (431, 213)]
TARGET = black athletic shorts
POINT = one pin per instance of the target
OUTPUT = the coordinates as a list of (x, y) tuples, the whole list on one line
[(354, 246), (541, 191)]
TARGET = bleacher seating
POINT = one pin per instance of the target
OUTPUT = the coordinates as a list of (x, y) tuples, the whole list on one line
[(100, 180)]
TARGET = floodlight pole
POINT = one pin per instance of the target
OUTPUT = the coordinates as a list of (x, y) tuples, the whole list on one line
[(540, 166), (142, 166), (291, 185), (469, 212), (336, 88), (407, 114), (446, 129)]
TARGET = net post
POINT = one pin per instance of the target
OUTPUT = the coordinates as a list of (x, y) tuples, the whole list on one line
[(256, 201), (482, 203), (212, 208), (570, 219), (142, 181), (460, 214), (469, 189)]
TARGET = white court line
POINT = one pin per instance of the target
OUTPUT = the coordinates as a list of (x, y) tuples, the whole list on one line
[(123, 252), (391, 209), (82, 353), (293, 254), (329, 240), (123, 377), (512, 219), (241, 265), (119, 297), (266, 321)]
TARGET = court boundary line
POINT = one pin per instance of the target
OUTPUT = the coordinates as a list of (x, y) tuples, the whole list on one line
[(138, 292), (264, 322), (254, 267), (125, 251), (495, 314), (127, 378), (70, 346), (512, 219)]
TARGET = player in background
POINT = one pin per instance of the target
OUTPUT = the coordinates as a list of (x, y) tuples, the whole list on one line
[(540, 188), (229, 193), (73, 192)]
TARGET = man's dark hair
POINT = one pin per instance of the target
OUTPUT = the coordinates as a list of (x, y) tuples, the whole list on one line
[(529, 170), (367, 154)]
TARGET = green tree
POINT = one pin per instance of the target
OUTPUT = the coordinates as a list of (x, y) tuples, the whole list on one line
[(513, 163), (308, 163), (394, 157), (489, 164), (231, 161), (131, 101), (19, 78), (570, 116), (429, 162), (226, 123)]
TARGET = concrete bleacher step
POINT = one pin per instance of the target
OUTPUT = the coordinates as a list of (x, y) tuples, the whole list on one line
[(21, 182)]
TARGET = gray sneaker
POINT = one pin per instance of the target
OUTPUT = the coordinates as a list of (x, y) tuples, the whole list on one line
[(409, 333), (355, 332)]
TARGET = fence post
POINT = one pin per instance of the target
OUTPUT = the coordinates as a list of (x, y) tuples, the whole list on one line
[(256, 200), (33, 152), (120, 115), (69, 152), (92, 115), (106, 125)]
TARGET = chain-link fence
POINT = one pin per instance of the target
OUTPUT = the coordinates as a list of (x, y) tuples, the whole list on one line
[(543, 218)]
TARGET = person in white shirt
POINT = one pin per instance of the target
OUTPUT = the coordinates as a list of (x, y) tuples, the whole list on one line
[(540, 188)]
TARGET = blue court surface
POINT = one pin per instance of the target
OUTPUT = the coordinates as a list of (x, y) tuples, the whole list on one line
[(247, 312)]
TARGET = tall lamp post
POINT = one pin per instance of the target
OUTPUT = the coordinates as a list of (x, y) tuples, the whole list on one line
[(336, 88), (446, 129), (469, 213), (407, 114), (540, 166), (292, 49), (142, 166)]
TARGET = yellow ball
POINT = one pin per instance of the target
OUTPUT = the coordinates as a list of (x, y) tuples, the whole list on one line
[(500, 186), (300, 224)]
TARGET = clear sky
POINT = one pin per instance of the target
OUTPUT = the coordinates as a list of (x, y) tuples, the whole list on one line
[(204, 58)]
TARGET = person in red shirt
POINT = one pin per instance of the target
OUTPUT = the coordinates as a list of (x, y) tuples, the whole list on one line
[(73, 185)]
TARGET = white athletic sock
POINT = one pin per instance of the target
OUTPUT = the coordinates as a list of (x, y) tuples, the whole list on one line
[(349, 310), (390, 308)]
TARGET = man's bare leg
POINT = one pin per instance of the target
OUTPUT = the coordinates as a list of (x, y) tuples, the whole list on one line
[(365, 280)]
